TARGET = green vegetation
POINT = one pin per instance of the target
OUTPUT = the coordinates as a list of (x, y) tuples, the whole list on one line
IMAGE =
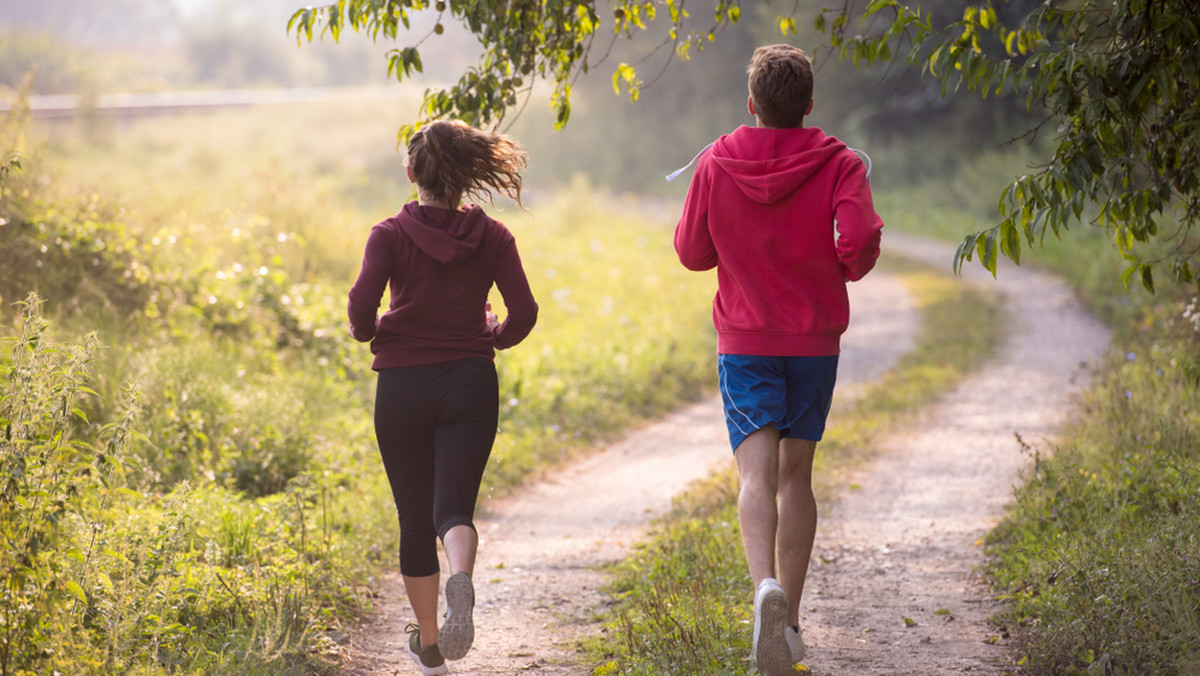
[(1101, 554), (683, 596), (1098, 556), (189, 474), (1117, 80)]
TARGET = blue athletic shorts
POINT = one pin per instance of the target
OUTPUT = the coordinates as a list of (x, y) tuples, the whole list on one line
[(791, 393)]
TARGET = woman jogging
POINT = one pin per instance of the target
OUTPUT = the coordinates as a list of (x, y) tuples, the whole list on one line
[(437, 401)]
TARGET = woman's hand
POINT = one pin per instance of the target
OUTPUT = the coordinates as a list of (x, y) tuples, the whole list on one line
[(493, 322)]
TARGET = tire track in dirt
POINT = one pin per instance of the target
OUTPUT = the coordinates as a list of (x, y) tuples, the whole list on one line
[(902, 546)]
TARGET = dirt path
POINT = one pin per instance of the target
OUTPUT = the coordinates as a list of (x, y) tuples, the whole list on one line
[(901, 546), (906, 543)]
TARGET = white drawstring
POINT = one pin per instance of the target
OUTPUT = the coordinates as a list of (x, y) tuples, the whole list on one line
[(675, 174), (866, 158), (671, 176)]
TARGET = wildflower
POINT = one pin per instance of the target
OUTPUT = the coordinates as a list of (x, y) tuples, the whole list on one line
[(1192, 313), (1131, 356)]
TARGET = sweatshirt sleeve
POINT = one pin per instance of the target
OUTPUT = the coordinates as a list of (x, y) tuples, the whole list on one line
[(367, 292), (858, 226), (518, 299), (693, 242)]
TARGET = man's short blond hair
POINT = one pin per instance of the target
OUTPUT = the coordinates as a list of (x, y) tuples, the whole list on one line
[(781, 85)]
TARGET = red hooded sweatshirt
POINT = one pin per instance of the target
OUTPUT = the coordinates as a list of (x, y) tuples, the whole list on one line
[(439, 266), (762, 208)]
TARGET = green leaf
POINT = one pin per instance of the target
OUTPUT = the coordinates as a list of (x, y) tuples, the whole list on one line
[(1147, 275), (966, 249), (1010, 242), (879, 5), (986, 246), (76, 591)]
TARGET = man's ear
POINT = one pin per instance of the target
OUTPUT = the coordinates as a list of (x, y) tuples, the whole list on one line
[(750, 106), (808, 110)]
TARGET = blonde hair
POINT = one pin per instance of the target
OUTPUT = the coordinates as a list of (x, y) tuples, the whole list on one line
[(450, 159), (781, 85)]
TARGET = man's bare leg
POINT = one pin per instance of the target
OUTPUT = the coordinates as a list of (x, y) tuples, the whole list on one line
[(758, 473), (797, 519)]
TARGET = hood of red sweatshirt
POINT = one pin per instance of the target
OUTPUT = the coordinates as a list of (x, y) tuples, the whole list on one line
[(769, 164), (444, 235)]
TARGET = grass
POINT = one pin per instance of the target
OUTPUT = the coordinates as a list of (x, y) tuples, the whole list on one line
[(1100, 554), (209, 443), (624, 333), (683, 596)]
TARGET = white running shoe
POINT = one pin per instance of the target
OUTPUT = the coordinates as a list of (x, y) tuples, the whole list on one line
[(795, 641), (772, 653), (458, 631)]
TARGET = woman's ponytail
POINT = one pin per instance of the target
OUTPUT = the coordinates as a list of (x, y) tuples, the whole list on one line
[(450, 159)]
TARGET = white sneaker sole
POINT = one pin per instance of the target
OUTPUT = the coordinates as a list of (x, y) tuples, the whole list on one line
[(772, 654), (458, 631)]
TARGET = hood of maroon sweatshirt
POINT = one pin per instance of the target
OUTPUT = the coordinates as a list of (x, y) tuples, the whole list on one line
[(769, 164), (444, 235)]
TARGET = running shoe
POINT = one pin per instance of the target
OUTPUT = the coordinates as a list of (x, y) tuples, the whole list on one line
[(772, 654), (458, 630), (795, 641), (429, 659)]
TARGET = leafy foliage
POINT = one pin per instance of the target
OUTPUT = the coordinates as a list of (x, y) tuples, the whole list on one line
[(550, 39), (1119, 80)]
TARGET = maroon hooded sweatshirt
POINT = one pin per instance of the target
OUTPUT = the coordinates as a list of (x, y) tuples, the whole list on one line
[(439, 266), (761, 209)]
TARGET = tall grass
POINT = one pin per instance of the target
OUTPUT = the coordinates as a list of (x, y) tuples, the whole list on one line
[(623, 332), (103, 576), (1101, 555)]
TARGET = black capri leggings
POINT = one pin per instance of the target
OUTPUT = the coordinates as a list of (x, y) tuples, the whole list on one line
[(435, 425)]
